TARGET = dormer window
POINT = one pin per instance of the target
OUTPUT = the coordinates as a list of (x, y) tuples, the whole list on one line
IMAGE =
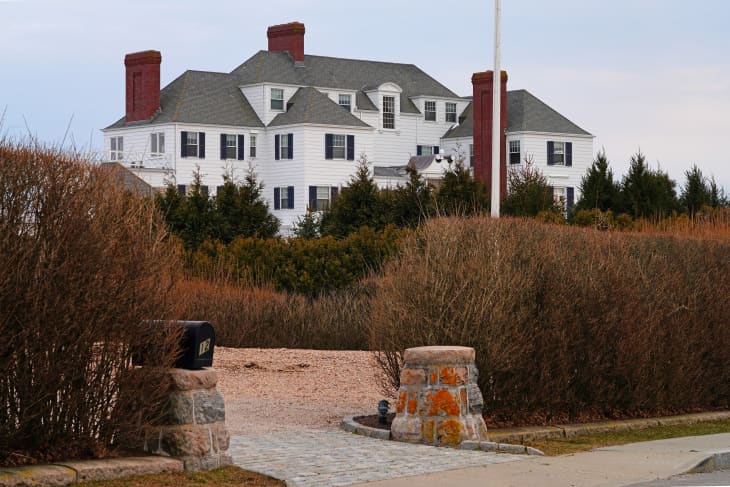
[(277, 99), (451, 112), (430, 111), (345, 102), (388, 112)]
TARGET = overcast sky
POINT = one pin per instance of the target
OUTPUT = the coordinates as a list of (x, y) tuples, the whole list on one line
[(649, 74)]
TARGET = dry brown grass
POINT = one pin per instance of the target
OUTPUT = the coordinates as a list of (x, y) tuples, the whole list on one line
[(84, 264), (222, 477)]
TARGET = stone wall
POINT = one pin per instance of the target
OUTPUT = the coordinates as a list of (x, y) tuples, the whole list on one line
[(195, 431), (439, 402)]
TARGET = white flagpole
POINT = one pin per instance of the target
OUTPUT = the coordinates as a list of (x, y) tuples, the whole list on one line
[(496, 109)]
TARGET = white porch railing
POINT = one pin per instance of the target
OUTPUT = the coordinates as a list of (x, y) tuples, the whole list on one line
[(142, 160)]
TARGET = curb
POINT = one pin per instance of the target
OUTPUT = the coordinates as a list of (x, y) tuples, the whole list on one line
[(349, 424), (520, 435), (68, 473), (718, 461)]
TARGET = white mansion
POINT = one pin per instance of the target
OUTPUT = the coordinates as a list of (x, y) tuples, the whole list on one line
[(302, 122)]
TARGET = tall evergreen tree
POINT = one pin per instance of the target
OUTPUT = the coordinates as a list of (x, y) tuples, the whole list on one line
[(412, 203), (253, 216), (197, 214), (461, 194), (597, 187), (528, 192), (647, 193), (718, 198), (358, 205), (696, 192), (307, 227)]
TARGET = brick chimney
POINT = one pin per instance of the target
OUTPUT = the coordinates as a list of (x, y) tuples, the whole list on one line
[(143, 84), (288, 38), (483, 84)]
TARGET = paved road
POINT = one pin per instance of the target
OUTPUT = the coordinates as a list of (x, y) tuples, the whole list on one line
[(333, 457), (721, 478)]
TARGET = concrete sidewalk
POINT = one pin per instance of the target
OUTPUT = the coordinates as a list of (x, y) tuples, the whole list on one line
[(610, 466)]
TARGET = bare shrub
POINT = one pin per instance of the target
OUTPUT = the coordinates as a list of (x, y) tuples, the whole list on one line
[(246, 316), (568, 323), (84, 264)]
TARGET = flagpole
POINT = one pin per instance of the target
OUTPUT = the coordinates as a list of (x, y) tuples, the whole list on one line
[(496, 109)]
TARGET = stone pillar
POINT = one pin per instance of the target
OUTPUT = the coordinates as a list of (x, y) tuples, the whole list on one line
[(439, 401), (195, 430)]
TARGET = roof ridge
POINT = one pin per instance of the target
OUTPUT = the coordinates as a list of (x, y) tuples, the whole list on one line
[(180, 96)]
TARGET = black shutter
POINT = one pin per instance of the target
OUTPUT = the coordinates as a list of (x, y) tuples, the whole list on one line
[(419, 150), (550, 152), (277, 203), (223, 147), (183, 144), (201, 142), (291, 146), (350, 147), (276, 147), (328, 146), (570, 192), (313, 198), (435, 149), (181, 189), (241, 140), (568, 153), (290, 196), (333, 192), (204, 190)]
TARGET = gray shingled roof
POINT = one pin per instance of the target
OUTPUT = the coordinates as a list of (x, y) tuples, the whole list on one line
[(347, 74), (311, 106), (125, 178), (201, 97), (525, 113)]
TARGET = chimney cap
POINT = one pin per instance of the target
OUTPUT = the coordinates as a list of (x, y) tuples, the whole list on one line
[(290, 28), (143, 57)]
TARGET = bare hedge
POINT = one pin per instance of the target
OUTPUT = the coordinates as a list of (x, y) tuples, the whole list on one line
[(83, 265), (568, 323)]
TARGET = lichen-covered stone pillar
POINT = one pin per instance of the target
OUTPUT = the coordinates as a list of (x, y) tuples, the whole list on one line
[(439, 401), (195, 430)]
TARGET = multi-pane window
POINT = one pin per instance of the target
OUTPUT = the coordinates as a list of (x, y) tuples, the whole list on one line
[(117, 149), (284, 148), (471, 155), (430, 111), (345, 102), (338, 146), (277, 99), (514, 152), (388, 112), (323, 198), (451, 112), (426, 150), (252, 146), (558, 153), (157, 143), (231, 147), (192, 144)]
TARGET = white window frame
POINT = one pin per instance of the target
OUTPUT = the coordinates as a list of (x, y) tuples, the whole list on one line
[(252, 145), (345, 101), (321, 192), (231, 138), (558, 150), (192, 149), (512, 145), (279, 99), (157, 143), (429, 115), (339, 146), (284, 191), (388, 112), (450, 112), (284, 146), (116, 148), (426, 150)]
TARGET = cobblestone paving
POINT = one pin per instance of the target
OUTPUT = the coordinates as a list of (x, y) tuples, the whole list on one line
[(333, 457)]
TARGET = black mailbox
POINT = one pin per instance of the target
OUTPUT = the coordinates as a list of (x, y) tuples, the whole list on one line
[(197, 345)]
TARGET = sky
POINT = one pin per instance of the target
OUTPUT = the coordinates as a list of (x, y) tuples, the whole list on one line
[(649, 75)]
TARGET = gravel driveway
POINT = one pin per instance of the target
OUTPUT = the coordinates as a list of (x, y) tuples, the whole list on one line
[(273, 390)]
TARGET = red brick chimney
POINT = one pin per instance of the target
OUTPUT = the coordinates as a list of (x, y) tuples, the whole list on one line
[(288, 38), (483, 84), (143, 84)]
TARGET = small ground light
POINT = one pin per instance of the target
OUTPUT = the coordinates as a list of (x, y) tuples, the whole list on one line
[(383, 407)]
